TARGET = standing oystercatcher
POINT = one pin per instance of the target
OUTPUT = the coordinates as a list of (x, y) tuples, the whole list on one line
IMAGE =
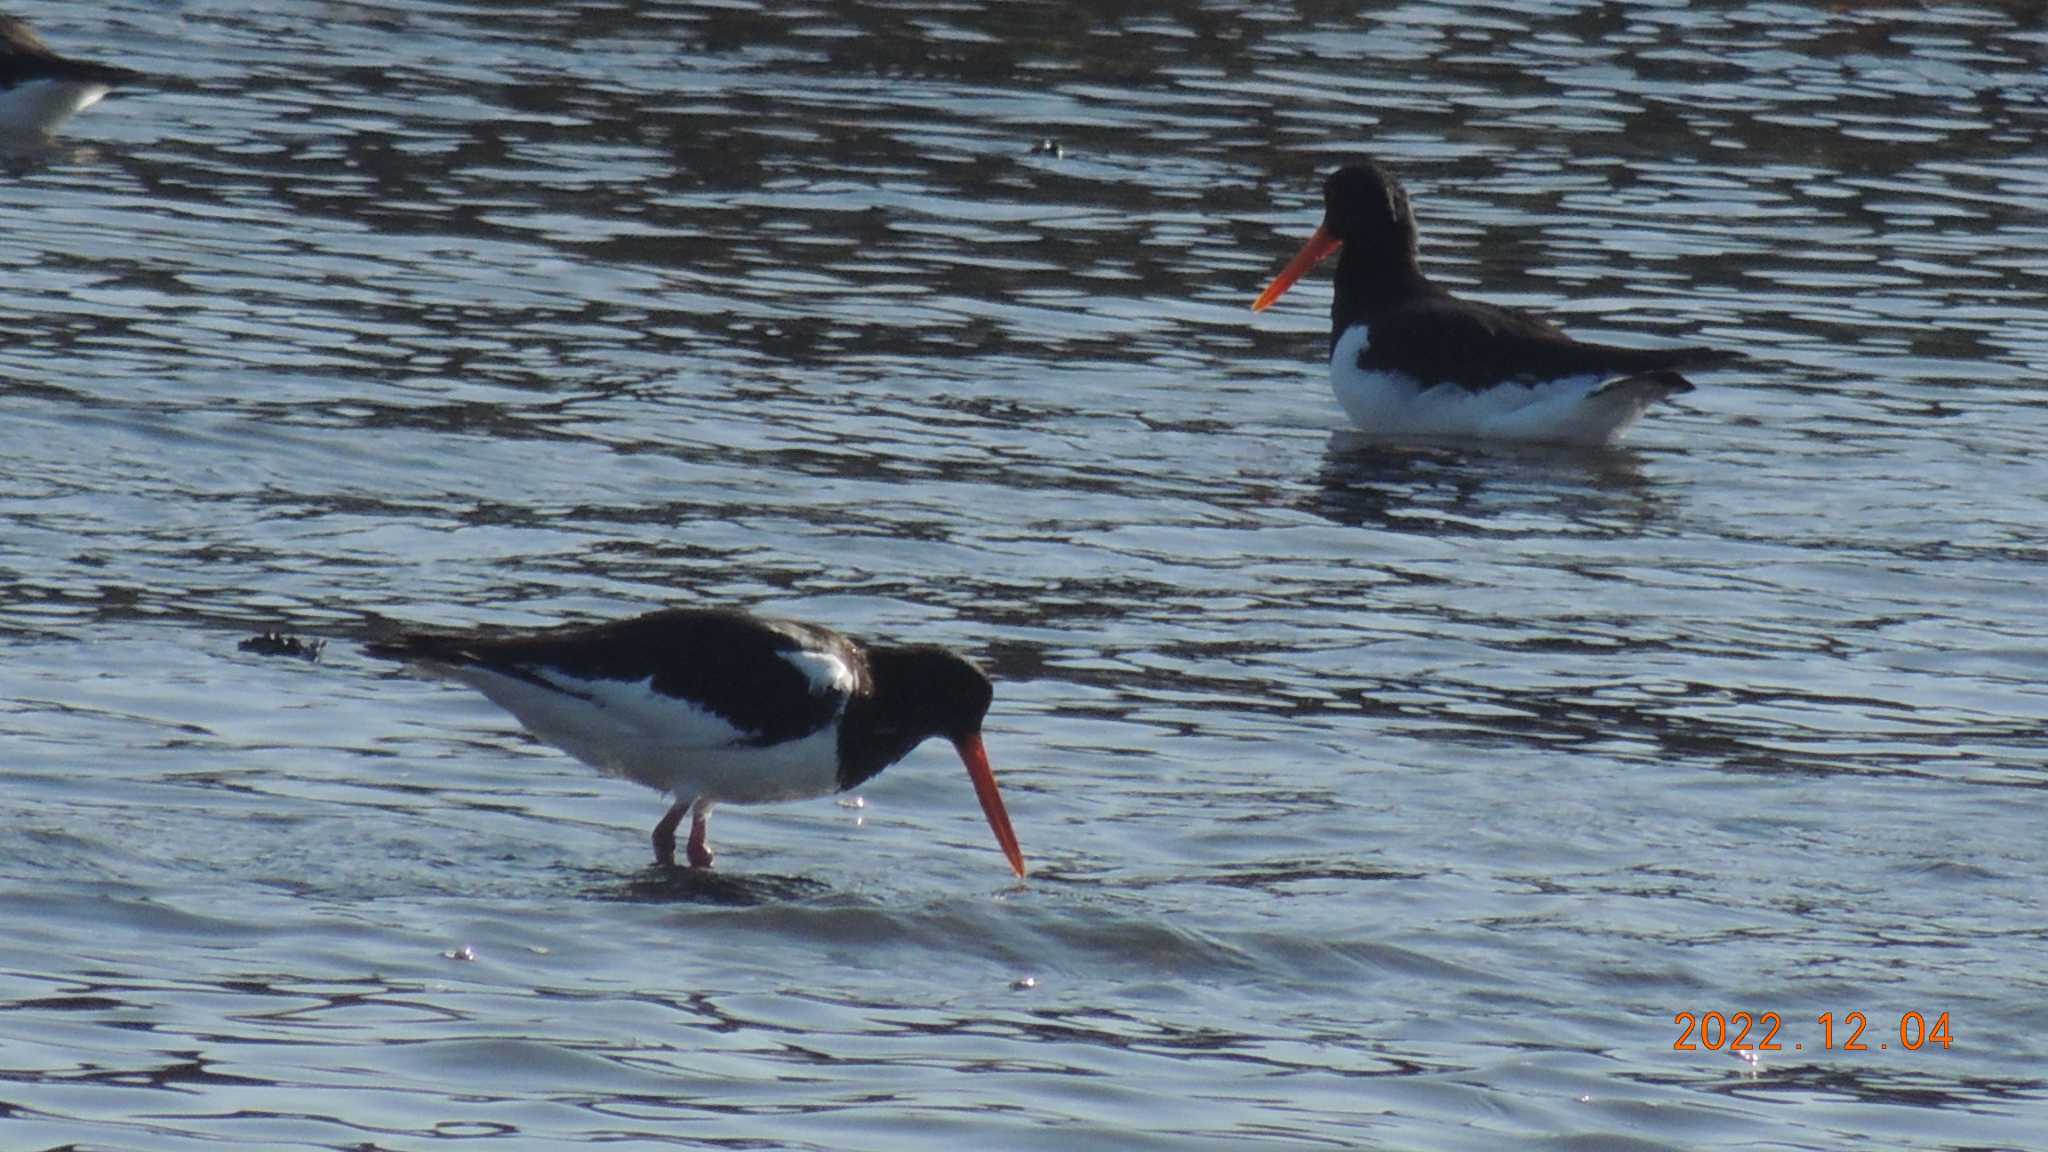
[(722, 707), (40, 90), (1407, 358)]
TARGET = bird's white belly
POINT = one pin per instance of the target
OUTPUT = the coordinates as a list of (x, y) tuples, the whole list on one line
[(1568, 410), (42, 106), (625, 728)]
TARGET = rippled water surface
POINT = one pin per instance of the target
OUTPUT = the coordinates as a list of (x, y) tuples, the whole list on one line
[(1378, 796)]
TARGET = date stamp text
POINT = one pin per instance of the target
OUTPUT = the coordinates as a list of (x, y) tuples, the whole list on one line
[(1853, 1032)]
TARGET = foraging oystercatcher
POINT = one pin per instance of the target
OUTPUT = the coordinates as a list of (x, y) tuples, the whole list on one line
[(1407, 358), (719, 706), (40, 90)]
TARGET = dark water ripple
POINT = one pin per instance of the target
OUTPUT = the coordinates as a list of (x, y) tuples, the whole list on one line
[(1377, 797)]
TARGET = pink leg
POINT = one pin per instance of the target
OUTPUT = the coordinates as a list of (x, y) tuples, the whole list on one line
[(665, 834), (700, 852)]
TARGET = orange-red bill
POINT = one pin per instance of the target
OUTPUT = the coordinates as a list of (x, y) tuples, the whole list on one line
[(984, 777), (1314, 252)]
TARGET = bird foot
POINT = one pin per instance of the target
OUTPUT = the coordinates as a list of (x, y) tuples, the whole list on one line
[(697, 851)]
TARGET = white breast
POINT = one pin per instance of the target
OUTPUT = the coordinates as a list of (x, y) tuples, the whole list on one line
[(625, 728), (40, 107)]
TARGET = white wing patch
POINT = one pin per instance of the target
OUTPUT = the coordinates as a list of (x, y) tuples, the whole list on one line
[(828, 674), (635, 705)]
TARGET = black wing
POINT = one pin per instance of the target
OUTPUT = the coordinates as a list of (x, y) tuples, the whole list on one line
[(1444, 340), (733, 665), (24, 57)]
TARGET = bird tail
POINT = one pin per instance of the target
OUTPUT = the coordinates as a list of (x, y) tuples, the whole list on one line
[(416, 646), (1643, 387), (112, 75), (1710, 357)]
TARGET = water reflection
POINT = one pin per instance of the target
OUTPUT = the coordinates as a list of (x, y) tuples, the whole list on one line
[(658, 885), (1468, 489), (23, 156)]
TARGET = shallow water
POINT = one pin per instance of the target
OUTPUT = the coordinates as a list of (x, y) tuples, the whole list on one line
[(1382, 797)]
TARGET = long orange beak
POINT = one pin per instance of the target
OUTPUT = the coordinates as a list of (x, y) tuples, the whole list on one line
[(1314, 252), (984, 777)]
